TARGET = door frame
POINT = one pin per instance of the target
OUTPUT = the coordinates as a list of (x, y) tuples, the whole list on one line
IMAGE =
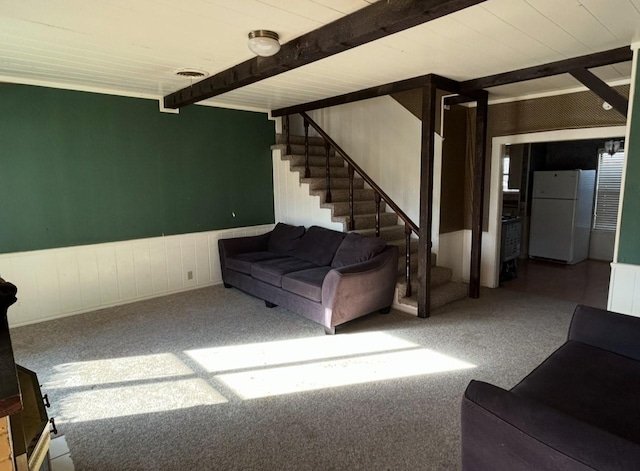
[(491, 238)]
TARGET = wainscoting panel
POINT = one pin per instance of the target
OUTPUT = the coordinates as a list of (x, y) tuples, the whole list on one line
[(60, 282), (624, 289)]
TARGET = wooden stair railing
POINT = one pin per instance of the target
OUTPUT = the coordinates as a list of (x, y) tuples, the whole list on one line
[(409, 225)]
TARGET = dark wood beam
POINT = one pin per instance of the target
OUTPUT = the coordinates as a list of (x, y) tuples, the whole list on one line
[(442, 83), (600, 88), (477, 210), (365, 25), (429, 103), (589, 61)]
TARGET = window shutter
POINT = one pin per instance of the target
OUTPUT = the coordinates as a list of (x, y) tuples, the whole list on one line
[(608, 191)]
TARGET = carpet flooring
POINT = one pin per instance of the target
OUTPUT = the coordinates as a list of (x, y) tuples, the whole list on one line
[(213, 380)]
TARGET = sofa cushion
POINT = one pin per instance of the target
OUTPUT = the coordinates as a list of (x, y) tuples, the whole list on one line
[(242, 262), (306, 283), (284, 238), (593, 385), (271, 271), (319, 245), (356, 248)]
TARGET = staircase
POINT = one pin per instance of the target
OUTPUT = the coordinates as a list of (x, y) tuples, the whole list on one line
[(443, 289)]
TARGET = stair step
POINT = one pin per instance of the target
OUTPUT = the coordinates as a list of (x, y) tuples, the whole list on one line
[(440, 295), (366, 221), (341, 195), (293, 139), (337, 183), (298, 149), (401, 243), (320, 172), (439, 276), (314, 161), (341, 208), (387, 233)]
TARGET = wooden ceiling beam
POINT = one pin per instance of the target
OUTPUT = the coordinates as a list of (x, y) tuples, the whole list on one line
[(600, 88), (365, 25), (565, 66), (440, 82)]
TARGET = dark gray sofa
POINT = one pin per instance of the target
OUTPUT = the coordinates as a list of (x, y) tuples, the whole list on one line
[(578, 410), (327, 276)]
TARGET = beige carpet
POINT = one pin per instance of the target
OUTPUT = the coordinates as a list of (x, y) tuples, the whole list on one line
[(212, 380)]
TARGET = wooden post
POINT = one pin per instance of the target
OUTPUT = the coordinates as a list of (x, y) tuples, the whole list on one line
[(477, 211), (426, 197)]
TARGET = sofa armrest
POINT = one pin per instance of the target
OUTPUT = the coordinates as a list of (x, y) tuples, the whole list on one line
[(229, 247), (501, 430), (354, 290), (617, 333)]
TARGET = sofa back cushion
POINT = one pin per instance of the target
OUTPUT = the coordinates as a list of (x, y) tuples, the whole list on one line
[(356, 248), (319, 245), (284, 238)]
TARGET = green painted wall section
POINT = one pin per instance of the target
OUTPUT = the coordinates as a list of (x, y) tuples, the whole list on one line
[(81, 168), (629, 244)]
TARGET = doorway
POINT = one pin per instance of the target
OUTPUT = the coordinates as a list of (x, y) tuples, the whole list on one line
[(511, 196)]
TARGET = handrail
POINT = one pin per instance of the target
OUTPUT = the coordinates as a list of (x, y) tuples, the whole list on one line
[(401, 214)]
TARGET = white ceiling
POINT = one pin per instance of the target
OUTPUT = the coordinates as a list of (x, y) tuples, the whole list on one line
[(133, 47)]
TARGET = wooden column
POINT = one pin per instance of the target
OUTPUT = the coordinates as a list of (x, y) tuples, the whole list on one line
[(426, 197), (477, 211)]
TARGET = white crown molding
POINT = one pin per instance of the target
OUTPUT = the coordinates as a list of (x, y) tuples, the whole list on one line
[(109, 91)]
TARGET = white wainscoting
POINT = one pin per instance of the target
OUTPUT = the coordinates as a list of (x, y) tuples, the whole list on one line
[(60, 282), (624, 289), (455, 253)]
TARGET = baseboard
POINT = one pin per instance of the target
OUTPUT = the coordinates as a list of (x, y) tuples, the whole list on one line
[(61, 282)]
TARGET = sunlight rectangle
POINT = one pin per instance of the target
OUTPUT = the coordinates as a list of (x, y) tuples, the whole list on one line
[(159, 396), (257, 355), (330, 374), (117, 370)]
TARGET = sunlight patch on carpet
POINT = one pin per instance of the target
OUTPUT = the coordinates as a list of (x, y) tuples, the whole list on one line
[(117, 370), (335, 373), (158, 396), (281, 352)]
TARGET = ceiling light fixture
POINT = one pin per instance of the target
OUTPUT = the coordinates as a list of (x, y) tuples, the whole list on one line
[(613, 146), (263, 42)]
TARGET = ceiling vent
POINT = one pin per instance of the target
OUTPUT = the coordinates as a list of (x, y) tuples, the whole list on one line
[(191, 73)]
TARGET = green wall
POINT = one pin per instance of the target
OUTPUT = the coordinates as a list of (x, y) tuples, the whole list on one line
[(82, 168), (629, 245)]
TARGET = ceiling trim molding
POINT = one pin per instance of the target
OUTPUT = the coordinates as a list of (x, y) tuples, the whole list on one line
[(365, 25), (108, 91)]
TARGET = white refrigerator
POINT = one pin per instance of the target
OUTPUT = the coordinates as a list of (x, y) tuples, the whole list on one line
[(561, 213)]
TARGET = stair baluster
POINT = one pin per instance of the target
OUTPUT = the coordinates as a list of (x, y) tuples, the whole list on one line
[(352, 221), (287, 134), (328, 178), (307, 171), (407, 256), (377, 215)]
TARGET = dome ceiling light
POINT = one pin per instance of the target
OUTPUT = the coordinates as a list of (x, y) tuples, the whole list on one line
[(264, 43)]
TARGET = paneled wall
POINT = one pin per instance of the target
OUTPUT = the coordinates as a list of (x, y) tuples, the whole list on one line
[(59, 282)]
